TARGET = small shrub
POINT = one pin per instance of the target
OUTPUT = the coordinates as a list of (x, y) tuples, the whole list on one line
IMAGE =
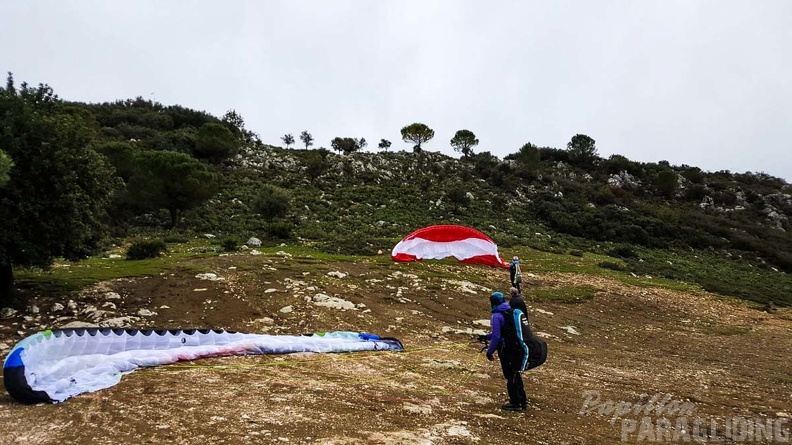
[(622, 252), (633, 233), (230, 244), (271, 202), (696, 192), (146, 248), (604, 196), (280, 230), (176, 239), (611, 265), (458, 197), (576, 253)]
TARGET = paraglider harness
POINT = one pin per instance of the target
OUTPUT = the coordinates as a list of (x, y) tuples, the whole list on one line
[(517, 334), (516, 272)]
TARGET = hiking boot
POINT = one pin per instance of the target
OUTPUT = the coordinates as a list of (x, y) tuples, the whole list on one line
[(512, 407)]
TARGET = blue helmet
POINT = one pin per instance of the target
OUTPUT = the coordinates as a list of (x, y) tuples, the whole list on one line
[(496, 298)]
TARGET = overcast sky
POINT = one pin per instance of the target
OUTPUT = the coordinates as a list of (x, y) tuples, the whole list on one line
[(703, 83)]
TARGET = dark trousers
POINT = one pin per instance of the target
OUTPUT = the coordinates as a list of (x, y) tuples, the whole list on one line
[(510, 361)]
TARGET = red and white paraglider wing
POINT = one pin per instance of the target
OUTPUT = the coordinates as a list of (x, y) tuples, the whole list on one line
[(437, 242)]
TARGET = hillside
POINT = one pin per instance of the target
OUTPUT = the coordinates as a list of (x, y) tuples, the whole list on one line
[(648, 280), (363, 203), (137, 168), (627, 339)]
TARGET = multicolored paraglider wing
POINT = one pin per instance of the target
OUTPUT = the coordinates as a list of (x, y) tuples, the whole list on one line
[(52, 366), (437, 242)]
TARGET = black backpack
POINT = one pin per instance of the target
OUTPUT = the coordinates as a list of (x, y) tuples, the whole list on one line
[(517, 334)]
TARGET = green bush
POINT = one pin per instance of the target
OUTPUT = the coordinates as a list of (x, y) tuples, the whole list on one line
[(272, 202), (230, 244), (611, 265), (176, 239), (603, 196), (695, 192), (622, 252), (146, 248), (280, 230)]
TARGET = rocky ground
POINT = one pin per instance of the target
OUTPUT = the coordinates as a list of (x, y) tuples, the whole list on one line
[(636, 347)]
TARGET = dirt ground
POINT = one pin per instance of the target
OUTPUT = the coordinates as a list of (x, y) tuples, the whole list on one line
[(718, 358)]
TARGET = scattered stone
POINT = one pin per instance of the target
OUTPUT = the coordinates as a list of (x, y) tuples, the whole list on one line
[(465, 331), (286, 309), (417, 409), (398, 274), (444, 364), (337, 274), (546, 335), (121, 322), (458, 430), (332, 302), (146, 313), (57, 307), (468, 287), (7, 312), (78, 324), (254, 242), (570, 330), (270, 290), (209, 276)]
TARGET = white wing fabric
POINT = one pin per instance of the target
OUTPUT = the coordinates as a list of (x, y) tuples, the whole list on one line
[(52, 366)]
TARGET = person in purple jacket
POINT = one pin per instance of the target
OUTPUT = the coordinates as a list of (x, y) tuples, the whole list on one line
[(507, 354)]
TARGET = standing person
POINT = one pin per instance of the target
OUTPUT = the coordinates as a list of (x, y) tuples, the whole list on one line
[(509, 355), (515, 273), (516, 301)]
